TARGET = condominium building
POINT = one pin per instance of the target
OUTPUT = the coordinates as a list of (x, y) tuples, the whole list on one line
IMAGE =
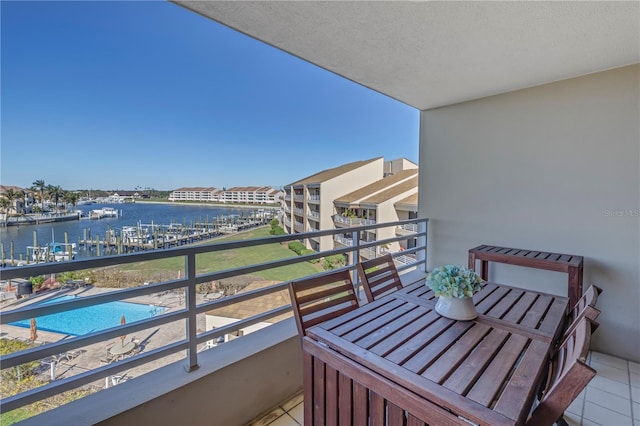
[(236, 195), (251, 195), (385, 200), (195, 194), (310, 203)]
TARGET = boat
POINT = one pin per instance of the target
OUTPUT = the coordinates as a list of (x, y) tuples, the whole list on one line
[(53, 252), (135, 235), (103, 212)]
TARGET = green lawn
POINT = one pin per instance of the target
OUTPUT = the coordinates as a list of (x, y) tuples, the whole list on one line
[(228, 259)]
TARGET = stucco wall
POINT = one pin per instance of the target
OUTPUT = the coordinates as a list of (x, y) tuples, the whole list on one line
[(555, 168)]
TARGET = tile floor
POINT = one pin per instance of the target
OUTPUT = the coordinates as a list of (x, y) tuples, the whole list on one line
[(612, 398)]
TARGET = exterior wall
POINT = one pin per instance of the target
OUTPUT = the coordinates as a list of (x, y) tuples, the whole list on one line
[(554, 168)]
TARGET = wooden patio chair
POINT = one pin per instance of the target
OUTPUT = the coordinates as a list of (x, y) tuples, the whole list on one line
[(379, 276), (317, 299), (584, 307), (568, 375)]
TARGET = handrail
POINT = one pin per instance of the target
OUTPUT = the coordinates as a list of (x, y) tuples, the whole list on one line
[(189, 313)]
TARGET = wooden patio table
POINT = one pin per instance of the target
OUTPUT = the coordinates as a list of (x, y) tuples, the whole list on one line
[(396, 358)]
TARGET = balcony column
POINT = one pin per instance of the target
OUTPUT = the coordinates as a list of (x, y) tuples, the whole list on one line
[(190, 301)]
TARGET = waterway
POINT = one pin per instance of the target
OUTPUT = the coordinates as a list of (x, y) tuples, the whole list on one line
[(130, 215)]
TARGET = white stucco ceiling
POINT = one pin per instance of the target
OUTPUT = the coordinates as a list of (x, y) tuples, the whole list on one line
[(430, 54)]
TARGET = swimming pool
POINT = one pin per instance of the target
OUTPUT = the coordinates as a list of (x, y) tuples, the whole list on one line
[(92, 318)]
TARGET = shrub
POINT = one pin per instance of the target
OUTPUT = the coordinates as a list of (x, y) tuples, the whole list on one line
[(335, 261), (297, 247), (277, 230)]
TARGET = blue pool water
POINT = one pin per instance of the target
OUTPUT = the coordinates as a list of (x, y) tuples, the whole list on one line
[(93, 318)]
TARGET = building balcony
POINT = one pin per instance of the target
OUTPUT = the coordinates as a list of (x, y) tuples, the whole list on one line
[(315, 199), (352, 221), (405, 229), (178, 374)]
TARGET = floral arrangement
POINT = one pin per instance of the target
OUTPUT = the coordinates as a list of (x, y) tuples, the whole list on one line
[(454, 281)]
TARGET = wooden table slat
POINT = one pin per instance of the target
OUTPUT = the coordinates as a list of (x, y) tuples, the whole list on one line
[(446, 364), (428, 354), (487, 387), (511, 402), (461, 380), (390, 327)]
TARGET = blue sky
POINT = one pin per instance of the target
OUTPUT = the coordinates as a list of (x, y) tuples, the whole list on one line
[(115, 95)]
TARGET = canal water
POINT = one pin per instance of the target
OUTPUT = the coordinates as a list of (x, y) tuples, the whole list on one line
[(129, 215)]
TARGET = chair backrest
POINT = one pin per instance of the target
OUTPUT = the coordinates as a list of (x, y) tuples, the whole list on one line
[(379, 276), (320, 298), (568, 375), (584, 307)]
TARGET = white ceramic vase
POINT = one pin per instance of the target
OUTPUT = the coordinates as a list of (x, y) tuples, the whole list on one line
[(456, 308)]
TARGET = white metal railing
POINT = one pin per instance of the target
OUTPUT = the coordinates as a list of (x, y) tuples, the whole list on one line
[(353, 221), (411, 227), (298, 211), (186, 284), (313, 213), (343, 240), (298, 197), (313, 198)]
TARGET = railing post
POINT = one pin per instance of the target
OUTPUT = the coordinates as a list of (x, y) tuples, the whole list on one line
[(422, 242), (190, 300), (355, 257)]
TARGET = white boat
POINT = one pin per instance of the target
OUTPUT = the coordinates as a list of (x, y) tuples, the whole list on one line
[(53, 252), (135, 235), (103, 212)]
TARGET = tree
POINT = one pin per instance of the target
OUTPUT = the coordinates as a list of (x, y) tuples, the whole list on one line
[(11, 195), (4, 204), (55, 194), (70, 198), (39, 185)]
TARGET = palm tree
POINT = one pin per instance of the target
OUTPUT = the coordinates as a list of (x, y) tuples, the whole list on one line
[(4, 204), (10, 195), (70, 198), (55, 193), (39, 185)]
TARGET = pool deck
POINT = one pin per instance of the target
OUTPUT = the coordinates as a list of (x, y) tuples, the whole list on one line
[(94, 356)]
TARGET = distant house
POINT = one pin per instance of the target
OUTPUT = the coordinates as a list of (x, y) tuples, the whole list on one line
[(22, 204)]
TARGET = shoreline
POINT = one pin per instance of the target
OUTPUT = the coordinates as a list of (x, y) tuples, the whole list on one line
[(212, 204)]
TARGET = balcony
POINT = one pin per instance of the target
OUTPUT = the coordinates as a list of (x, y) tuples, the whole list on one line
[(263, 364), (405, 229), (314, 215), (352, 221), (315, 199)]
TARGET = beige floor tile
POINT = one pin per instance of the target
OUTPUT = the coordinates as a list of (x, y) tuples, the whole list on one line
[(613, 373), (285, 420), (636, 411), (297, 399), (603, 416), (634, 367), (610, 386), (609, 360), (572, 419), (609, 401), (635, 379), (576, 407), (635, 394), (297, 413), (267, 419), (586, 422)]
